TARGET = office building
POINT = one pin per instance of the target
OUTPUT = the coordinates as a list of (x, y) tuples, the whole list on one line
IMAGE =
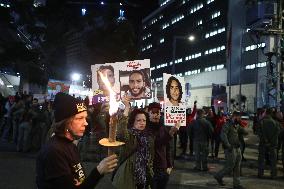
[(206, 39)]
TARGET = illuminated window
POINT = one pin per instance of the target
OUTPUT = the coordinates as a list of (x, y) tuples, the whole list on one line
[(153, 21), (199, 22), (221, 66), (164, 26), (215, 15), (215, 32), (214, 50), (196, 8), (165, 2), (253, 47), (177, 19), (193, 56), (210, 1), (149, 46)]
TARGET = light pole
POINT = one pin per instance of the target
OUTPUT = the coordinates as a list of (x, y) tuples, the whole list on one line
[(175, 38)]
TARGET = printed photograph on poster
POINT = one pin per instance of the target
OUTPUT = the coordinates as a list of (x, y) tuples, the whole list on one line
[(174, 90), (111, 70), (174, 98), (135, 79)]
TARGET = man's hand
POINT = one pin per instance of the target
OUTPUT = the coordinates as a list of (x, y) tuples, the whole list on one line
[(126, 101), (169, 170), (174, 129), (108, 164)]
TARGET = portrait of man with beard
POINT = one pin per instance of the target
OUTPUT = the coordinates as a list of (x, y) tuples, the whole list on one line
[(137, 85)]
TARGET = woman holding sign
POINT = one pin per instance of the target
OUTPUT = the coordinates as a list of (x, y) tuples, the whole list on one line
[(135, 169)]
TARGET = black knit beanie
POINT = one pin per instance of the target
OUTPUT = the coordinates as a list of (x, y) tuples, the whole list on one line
[(66, 106)]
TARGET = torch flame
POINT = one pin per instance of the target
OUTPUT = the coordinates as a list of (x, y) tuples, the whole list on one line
[(113, 104)]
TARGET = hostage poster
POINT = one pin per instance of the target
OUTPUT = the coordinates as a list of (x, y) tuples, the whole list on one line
[(135, 79), (174, 97), (131, 78)]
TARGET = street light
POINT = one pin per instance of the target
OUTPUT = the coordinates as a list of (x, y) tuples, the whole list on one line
[(75, 77), (190, 38)]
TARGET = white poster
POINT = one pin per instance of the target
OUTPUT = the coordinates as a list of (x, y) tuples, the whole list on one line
[(174, 97), (130, 78)]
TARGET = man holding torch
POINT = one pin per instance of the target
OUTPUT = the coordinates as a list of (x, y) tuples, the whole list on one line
[(58, 163)]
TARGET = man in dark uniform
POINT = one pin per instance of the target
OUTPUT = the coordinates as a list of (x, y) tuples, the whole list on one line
[(201, 130), (268, 132), (230, 136)]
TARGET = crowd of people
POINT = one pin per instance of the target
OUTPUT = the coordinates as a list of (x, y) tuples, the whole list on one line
[(24, 121), (147, 158)]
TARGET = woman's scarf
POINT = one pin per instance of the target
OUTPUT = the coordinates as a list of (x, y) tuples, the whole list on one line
[(142, 155)]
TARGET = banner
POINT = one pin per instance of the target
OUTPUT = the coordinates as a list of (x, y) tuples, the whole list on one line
[(174, 97), (56, 86)]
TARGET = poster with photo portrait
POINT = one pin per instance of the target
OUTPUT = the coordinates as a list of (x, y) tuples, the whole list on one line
[(135, 79), (174, 99), (111, 70)]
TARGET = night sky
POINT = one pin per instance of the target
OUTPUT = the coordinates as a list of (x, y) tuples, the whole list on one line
[(60, 16)]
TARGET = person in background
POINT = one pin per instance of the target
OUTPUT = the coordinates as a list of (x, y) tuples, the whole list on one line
[(163, 163), (268, 132), (202, 131), (189, 120), (25, 127), (211, 119), (184, 134), (7, 124), (17, 113), (2, 112), (230, 137), (220, 120), (58, 164)]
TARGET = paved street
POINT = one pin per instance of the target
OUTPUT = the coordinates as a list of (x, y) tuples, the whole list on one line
[(18, 171)]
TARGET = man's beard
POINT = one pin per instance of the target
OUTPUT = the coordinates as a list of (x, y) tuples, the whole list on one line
[(139, 93), (155, 125)]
